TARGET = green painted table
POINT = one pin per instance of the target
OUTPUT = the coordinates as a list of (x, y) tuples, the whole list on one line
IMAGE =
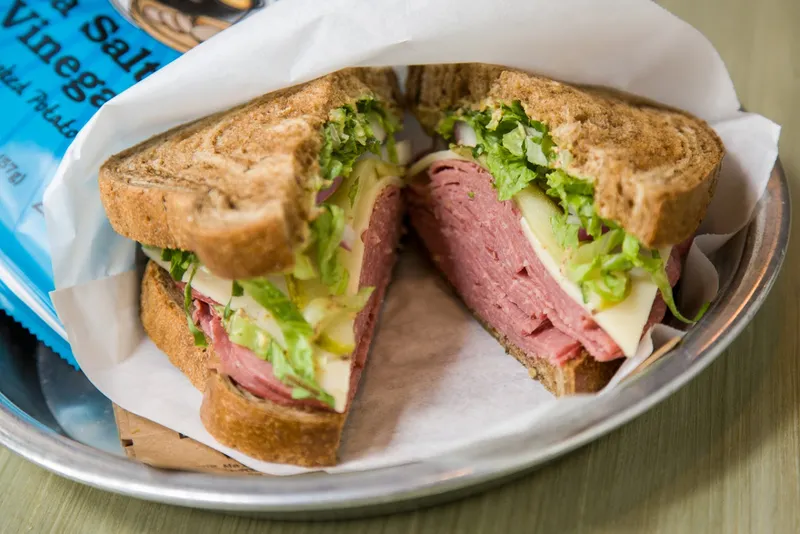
[(722, 455)]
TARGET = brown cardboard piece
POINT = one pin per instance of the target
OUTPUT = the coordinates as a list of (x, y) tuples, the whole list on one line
[(158, 446)]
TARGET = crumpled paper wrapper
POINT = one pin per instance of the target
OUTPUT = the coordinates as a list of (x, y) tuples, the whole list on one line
[(436, 380)]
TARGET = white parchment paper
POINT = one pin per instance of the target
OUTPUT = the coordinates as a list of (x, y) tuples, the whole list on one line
[(436, 381)]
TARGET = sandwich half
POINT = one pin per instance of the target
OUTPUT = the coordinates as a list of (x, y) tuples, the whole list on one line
[(271, 231), (559, 214)]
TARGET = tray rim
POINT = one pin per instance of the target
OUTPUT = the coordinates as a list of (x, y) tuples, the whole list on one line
[(320, 495)]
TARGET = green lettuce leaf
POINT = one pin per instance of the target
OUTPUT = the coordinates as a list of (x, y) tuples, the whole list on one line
[(514, 141), (512, 147), (280, 306), (535, 152), (576, 198), (327, 230), (602, 267), (179, 262), (510, 175), (347, 135), (566, 233)]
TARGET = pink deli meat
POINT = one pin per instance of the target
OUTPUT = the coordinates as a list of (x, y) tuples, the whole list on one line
[(478, 243), (256, 375)]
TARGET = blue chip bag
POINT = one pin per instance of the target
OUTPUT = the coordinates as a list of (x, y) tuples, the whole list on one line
[(60, 61)]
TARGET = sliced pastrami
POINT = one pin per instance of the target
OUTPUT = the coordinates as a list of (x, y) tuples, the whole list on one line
[(478, 243)]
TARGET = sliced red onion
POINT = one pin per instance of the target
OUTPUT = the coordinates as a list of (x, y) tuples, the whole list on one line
[(464, 134), (348, 238), (325, 194)]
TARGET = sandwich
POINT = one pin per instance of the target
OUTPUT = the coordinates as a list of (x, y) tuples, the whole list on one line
[(559, 214), (270, 231)]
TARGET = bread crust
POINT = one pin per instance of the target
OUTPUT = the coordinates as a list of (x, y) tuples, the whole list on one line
[(164, 322), (582, 374), (654, 168), (234, 187), (268, 431)]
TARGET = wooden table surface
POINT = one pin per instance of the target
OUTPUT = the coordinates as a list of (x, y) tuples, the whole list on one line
[(721, 455)]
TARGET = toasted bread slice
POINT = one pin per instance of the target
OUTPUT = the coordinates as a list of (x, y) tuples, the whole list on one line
[(234, 187), (654, 168)]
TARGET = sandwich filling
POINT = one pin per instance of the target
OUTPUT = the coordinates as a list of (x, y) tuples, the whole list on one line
[(596, 284), (300, 337)]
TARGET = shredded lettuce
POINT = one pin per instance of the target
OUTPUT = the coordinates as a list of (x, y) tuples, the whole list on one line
[(515, 149), (292, 359), (179, 262), (651, 261), (327, 230), (348, 134), (576, 198), (519, 152)]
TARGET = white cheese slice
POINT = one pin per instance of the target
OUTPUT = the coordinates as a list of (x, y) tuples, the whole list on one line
[(359, 219), (624, 321)]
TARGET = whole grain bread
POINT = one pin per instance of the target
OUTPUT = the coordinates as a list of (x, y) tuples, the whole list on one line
[(235, 187), (654, 168)]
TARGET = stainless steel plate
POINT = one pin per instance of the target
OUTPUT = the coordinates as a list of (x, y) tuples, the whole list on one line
[(74, 435)]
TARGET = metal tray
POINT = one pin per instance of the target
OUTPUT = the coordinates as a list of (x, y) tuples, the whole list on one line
[(52, 416)]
